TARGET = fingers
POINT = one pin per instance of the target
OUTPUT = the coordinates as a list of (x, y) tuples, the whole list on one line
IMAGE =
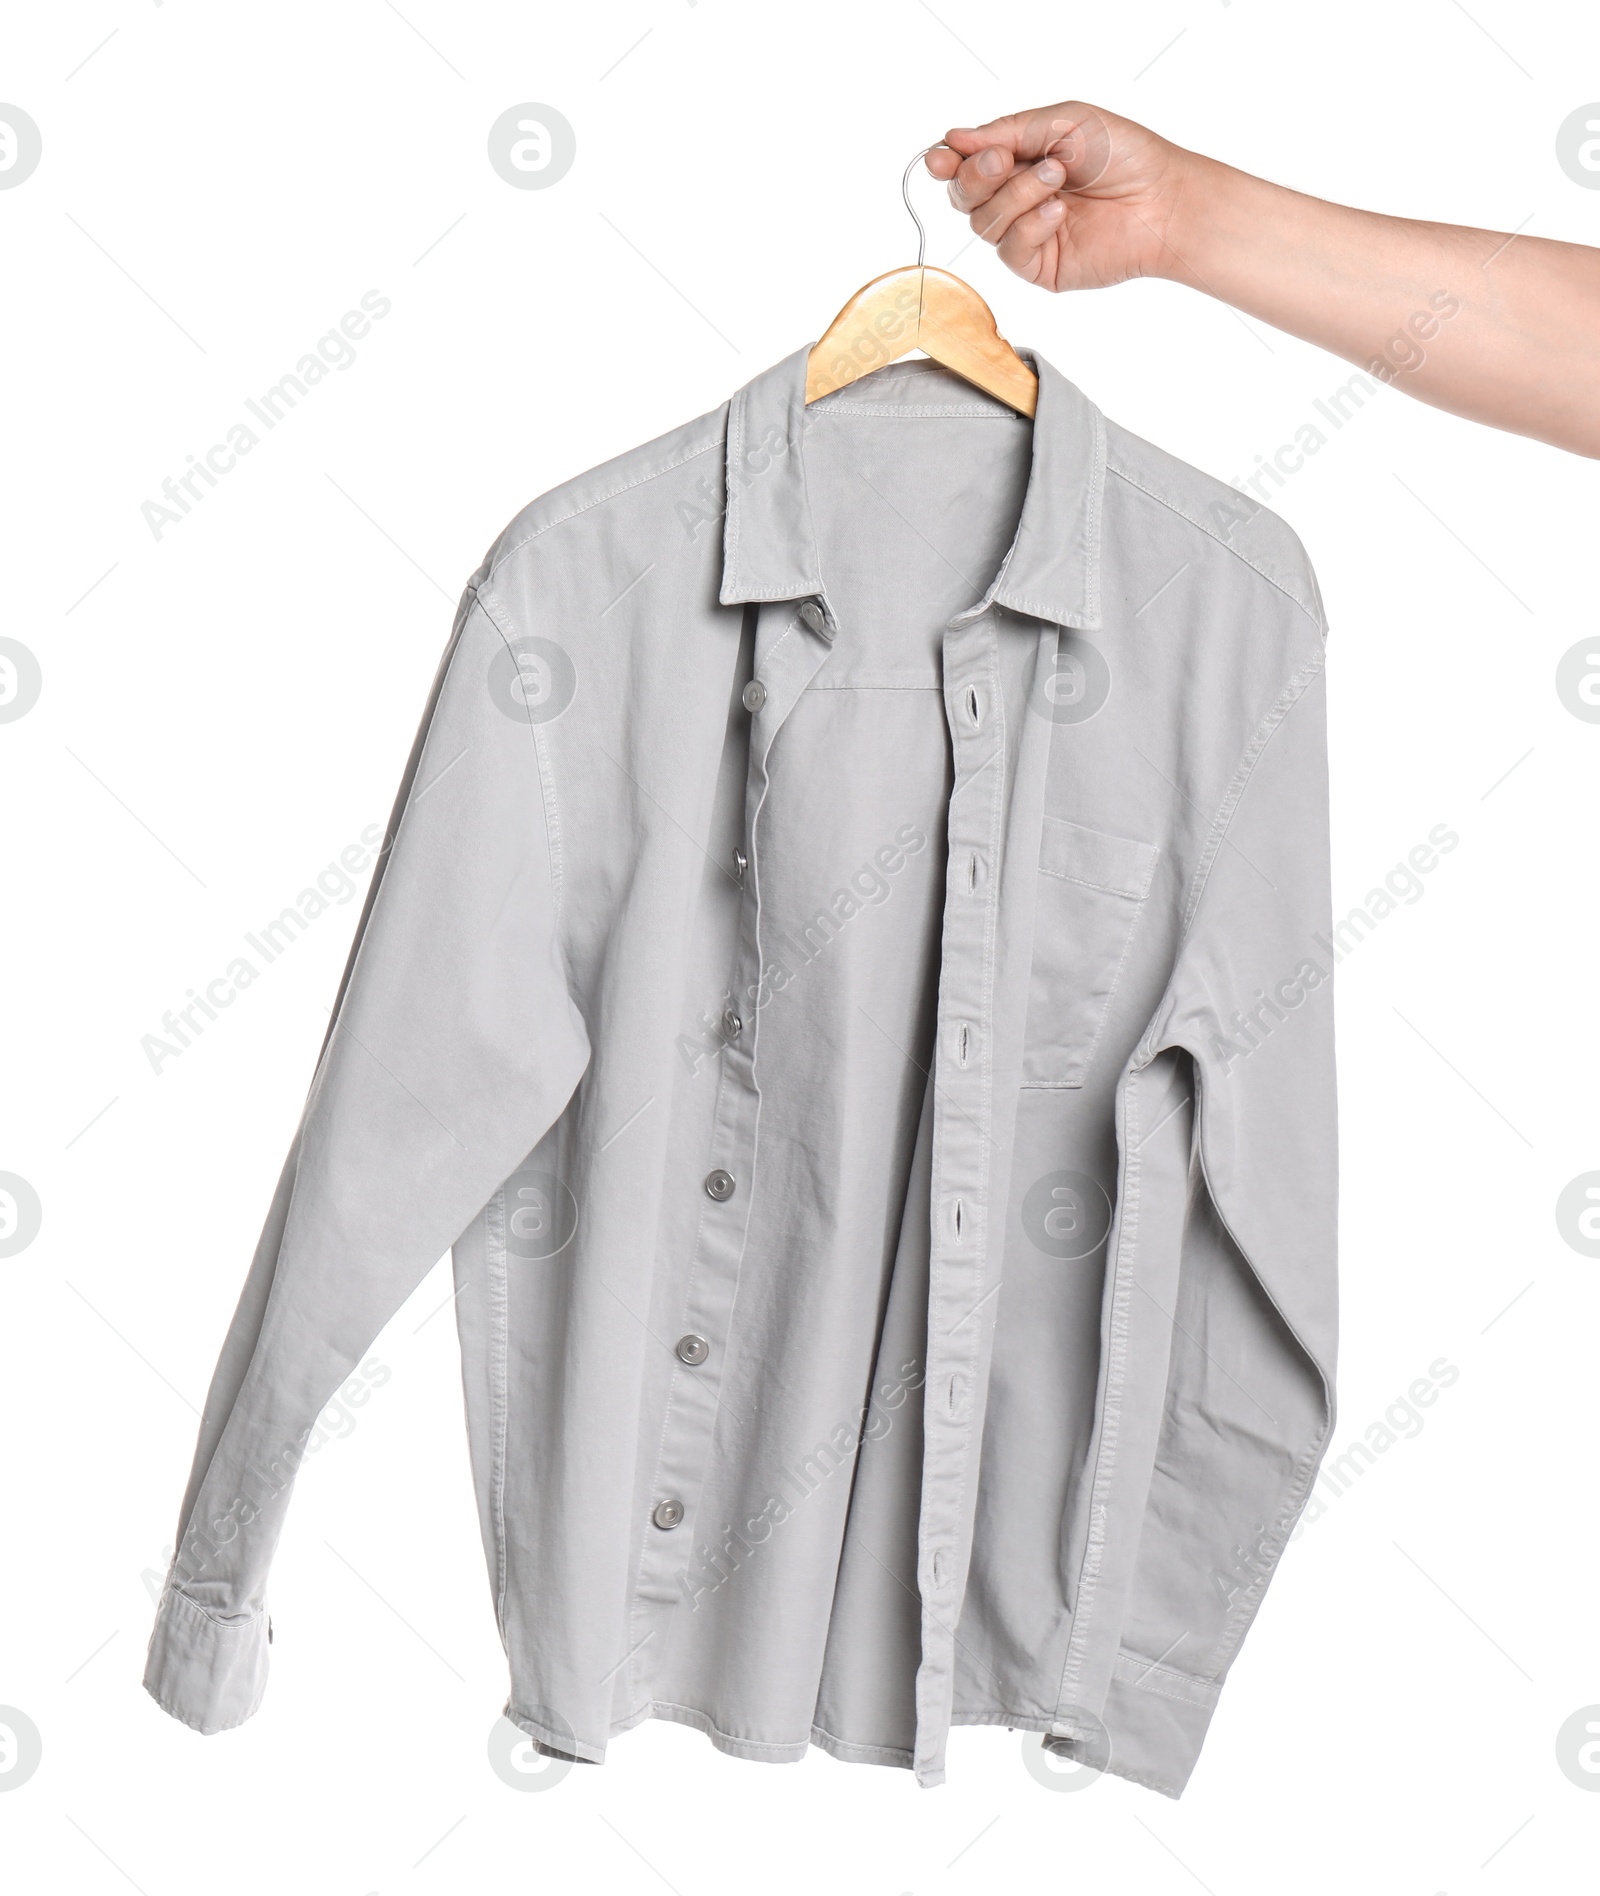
[(1022, 246), (1027, 197), (976, 178), (977, 161), (1024, 135)]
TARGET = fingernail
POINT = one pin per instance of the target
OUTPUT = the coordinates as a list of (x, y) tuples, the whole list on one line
[(1051, 209), (990, 162), (1049, 172)]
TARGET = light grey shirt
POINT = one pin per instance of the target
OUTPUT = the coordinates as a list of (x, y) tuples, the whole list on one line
[(848, 978)]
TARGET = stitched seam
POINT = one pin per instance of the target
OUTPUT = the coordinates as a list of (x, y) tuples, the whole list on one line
[(934, 1748), (1116, 1375), (734, 591), (732, 1737), (552, 822), (867, 685), (1111, 992), (697, 1264), (1237, 1623), (1050, 610), (562, 1743), (222, 1625), (1077, 1072), (913, 410), (1131, 848), (393, 830), (733, 496), (642, 480), (1091, 521), (1171, 1683), (199, 1724), (1174, 1695), (500, 618), (499, 1396), (1200, 526), (828, 1740), (1163, 1785), (1101, 888), (1085, 1060)]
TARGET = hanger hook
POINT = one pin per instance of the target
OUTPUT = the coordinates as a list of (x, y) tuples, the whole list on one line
[(905, 192)]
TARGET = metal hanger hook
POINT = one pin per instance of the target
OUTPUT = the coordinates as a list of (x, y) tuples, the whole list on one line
[(905, 192)]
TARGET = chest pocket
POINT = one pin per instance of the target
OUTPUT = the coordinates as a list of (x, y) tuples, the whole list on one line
[(1092, 888)]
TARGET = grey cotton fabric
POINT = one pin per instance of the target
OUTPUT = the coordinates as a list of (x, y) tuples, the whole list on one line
[(848, 978)]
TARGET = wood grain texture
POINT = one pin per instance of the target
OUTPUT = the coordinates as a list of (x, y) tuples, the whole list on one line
[(918, 307)]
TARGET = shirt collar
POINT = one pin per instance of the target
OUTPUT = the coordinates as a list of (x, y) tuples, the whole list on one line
[(1052, 570)]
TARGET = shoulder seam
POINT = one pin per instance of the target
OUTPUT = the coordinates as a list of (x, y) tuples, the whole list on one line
[(494, 611), (690, 454), (1171, 506)]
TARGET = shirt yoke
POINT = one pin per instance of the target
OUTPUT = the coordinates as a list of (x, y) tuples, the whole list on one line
[(607, 482), (1262, 540)]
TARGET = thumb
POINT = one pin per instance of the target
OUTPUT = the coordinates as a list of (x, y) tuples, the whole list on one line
[(1077, 137)]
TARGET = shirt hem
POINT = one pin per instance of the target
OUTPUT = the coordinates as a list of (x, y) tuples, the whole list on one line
[(793, 1751)]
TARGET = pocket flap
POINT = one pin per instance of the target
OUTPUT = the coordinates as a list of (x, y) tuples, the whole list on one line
[(1119, 865)]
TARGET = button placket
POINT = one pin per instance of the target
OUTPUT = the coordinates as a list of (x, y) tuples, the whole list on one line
[(688, 1426), (959, 1264)]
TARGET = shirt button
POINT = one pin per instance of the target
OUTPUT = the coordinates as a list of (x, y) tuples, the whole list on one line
[(667, 1513), (693, 1349), (731, 1024), (755, 695), (741, 862), (719, 1185), (814, 617)]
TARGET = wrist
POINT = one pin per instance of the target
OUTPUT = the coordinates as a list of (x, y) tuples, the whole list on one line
[(1196, 192)]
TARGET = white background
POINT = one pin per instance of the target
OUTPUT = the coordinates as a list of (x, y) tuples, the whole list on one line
[(226, 708)]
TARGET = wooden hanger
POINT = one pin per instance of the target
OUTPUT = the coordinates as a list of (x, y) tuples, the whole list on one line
[(920, 308)]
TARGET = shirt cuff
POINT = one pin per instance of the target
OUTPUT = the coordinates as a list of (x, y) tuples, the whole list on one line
[(1156, 1720), (208, 1673)]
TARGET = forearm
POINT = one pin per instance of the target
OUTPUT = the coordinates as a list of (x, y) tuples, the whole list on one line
[(1503, 330)]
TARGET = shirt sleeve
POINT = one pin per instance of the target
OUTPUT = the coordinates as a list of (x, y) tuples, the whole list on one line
[(1234, 1242), (454, 1046)]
